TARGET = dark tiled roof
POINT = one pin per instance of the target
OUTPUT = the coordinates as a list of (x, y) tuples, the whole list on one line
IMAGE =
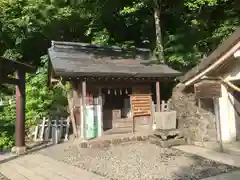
[(78, 59), (214, 56)]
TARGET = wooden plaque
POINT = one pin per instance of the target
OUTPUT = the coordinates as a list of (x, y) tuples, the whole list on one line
[(141, 105), (208, 89)]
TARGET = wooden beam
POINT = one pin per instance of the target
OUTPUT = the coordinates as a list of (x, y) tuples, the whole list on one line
[(101, 105), (84, 92), (11, 66), (105, 79), (20, 110), (8, 80), (158, 100)]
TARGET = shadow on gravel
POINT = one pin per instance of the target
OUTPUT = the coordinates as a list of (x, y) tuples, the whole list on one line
[(202, 168)]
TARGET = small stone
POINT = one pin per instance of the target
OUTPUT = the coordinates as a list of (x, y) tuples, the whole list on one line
[(84, 145), (125, 139), (164, 138), (144, 138), (139, 138), (116, 141), (94, 144), (132, 138), (106, 143)]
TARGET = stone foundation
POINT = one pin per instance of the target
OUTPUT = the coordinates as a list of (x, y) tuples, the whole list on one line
[(113, 141), (209, 145), (167, 144), (19, 150), (197, 124)]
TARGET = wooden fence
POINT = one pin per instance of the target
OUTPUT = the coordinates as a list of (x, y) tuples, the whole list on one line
[(52, 130), (166, 106)]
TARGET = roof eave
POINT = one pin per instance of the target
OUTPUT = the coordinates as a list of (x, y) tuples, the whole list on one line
[(213, 66), (116, 74)]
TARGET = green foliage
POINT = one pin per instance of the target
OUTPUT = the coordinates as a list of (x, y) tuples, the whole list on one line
[(101, 37), (40, 100), (7, 124)]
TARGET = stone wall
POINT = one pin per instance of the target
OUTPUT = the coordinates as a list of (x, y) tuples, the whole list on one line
[(198, 125)]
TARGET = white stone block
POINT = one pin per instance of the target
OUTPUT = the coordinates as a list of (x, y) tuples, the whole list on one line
[(166, 120)]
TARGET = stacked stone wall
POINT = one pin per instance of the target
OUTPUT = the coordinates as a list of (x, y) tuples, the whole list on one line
[(198, 125)]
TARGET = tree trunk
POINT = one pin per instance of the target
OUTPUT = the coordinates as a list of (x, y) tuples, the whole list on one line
[(159, 47)]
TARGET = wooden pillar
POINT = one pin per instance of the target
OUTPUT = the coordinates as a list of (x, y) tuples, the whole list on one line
[(158, 100), (80, 108), (84, 92), (101, 105), (20, 110)]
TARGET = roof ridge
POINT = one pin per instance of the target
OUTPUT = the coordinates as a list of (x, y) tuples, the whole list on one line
[(95, 46)]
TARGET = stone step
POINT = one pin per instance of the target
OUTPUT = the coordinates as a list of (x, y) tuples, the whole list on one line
[(123, 120), (98, 143), (168, 143), (119, 130), (122, 123)]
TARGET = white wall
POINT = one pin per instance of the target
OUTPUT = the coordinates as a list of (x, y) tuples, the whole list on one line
[(233, 72), (226, 105), (225, 120)]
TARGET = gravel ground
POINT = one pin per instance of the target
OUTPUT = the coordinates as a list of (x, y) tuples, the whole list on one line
[(138, 161), (2, 177)]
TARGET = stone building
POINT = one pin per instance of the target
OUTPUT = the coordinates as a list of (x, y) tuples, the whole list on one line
[(207, 99)]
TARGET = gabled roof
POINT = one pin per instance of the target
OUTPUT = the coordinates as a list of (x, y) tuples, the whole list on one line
[(70, 59), (222, 49)]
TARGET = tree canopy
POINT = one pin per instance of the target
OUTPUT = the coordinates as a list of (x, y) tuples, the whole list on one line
[(190, 29)]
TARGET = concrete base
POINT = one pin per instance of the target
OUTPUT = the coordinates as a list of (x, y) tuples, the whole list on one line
[(168, 134), (113, 140), (208, 144), (19, 150), (232, 148), (165, 120), (168, 143), (220, 157)]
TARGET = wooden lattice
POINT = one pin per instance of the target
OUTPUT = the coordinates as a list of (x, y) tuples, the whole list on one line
[(141, 105)]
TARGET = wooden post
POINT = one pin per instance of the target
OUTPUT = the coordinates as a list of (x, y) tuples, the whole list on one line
[(20, 112), (133, 116), (49, 128), (101, 106), (42, 129), (84, 92), (158, 100), (199, 102), (133, 124), (80, 108), (61, 127), (67, 129), (56, 131)]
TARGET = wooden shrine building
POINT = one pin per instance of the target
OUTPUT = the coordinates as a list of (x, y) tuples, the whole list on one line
[(7, 69), (104, 80)]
